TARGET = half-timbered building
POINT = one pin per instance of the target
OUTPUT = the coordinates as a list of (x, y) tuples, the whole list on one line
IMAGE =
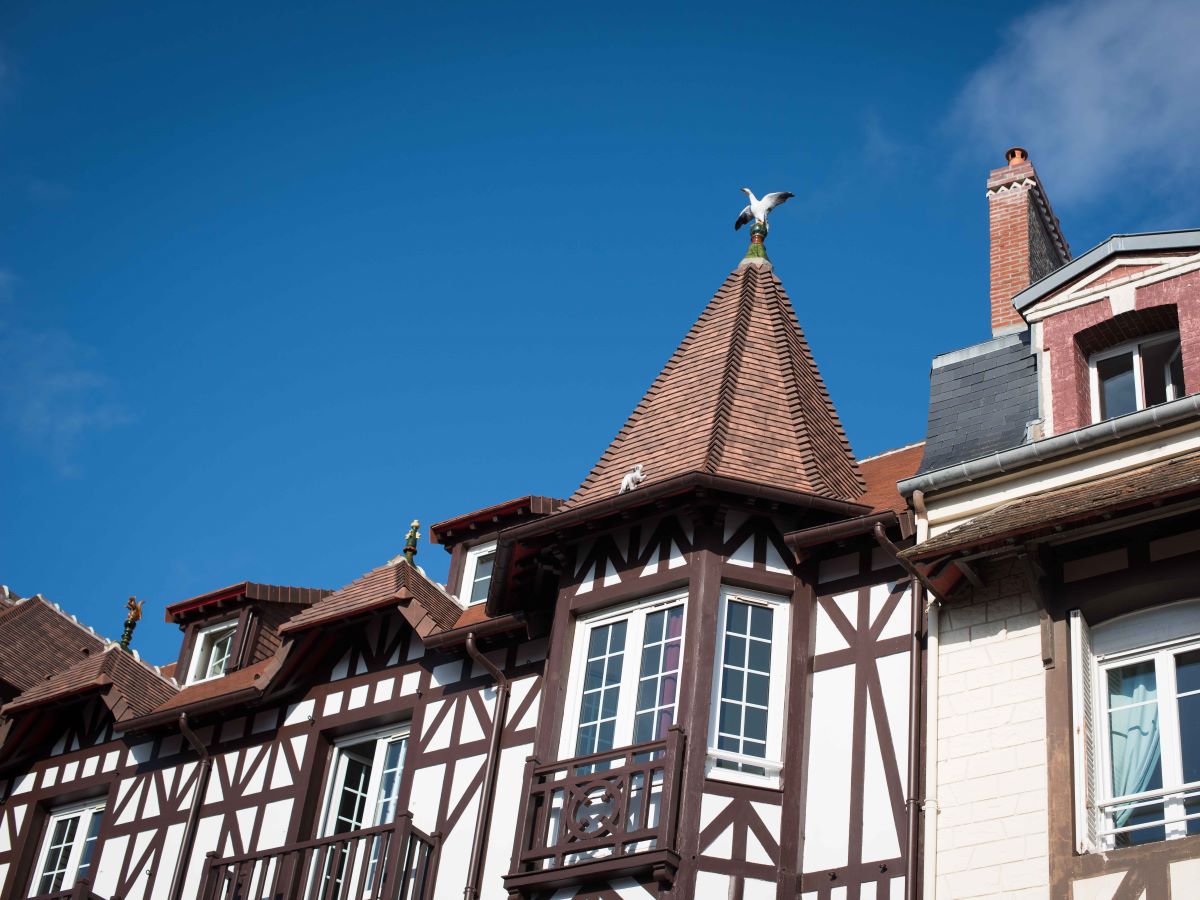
[(690, 678)]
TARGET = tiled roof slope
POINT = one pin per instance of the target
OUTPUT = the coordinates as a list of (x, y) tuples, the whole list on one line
[(39, 639), (883, 471), (741, 397), (232, 683), (1170, 479), (139, 689), (249, 590), (981, 400), (390, 584)]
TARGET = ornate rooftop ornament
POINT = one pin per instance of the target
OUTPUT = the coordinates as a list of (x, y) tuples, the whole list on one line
[(632, 479), (410, 541), (131, 620), (758, 210)]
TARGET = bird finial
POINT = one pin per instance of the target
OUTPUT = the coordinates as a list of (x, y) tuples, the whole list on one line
[(410, 541), (131, 620), (758, 210)]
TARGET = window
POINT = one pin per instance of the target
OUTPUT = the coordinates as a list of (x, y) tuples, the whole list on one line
[(1135, 375), (477, 573), (745, 726), (1142, 673), (211, 651), (624, 681), (365, 781), (68, 847)]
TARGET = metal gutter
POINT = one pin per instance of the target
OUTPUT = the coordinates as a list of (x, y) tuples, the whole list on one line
[(491, 764), (189, 828), (497, 625), (1056, 447), (835, 531), (1118, 243)]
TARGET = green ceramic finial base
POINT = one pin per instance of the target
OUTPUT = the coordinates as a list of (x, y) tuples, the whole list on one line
[(757, 248)]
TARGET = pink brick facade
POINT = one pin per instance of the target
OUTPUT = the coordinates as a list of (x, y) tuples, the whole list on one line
[(1068, 341)]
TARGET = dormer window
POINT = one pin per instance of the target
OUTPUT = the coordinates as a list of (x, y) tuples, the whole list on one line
[(213, 648), (1136, 375), (477, 574)]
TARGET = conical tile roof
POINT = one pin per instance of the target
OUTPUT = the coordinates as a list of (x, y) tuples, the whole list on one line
[(741, 397)]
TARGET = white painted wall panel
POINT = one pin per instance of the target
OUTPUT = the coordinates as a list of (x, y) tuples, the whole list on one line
[(510, 778), (276, 817), (828, 801), (879, 839)]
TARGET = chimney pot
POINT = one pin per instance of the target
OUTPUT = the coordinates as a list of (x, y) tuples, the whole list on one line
[(1016, 155)]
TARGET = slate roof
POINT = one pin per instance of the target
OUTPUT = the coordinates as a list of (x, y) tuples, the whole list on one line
[(134, 688), (981, 400), (740, 397), (1170, 479), (39, 639), (395, 584)]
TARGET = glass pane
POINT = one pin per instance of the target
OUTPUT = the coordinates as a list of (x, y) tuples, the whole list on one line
[(760, 623), (1152, 812), (62, 838), (1118, 393), (736, 618), (601, 689), (389, 782), (89, 844), (1187, 672), (1175, 376), (1134, 736), (1189, 736), (1156, 359), (483, 577), (735, 651), (660, 667), (1131, 684)]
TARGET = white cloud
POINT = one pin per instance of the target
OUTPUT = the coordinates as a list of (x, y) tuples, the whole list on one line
[(1098, 91), (52, 396)]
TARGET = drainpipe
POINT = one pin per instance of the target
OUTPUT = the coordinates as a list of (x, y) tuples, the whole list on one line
[(933, 668), (912, 804), (491, 764), (189, 830)]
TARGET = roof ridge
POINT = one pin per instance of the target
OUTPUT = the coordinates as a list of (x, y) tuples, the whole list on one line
[(730, 378), (87, 629), (883, 453)]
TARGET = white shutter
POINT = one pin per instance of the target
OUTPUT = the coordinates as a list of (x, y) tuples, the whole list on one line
[(1083, 738)]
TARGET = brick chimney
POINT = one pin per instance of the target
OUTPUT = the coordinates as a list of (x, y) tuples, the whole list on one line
[(1026, 241)]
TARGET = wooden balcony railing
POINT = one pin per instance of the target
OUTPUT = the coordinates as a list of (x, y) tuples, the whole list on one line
[(387, 862), (606, 814)]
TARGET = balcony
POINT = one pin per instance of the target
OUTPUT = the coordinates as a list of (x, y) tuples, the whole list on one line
[(387, 862), (611, 813)]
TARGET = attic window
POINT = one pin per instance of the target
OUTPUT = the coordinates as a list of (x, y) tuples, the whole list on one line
[(477, 573), (211, 653), (1135, 375)]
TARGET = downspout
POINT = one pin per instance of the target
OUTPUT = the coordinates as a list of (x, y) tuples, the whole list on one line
[(189, 830), (933, 668), (912, 803), (491, 765)]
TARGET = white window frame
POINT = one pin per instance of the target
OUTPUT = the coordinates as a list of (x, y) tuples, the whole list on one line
[(87, 811), (1157, 634), (636, 612), (202, 651), (337, 768), (776, 701), (474, 554), (1133, 347)]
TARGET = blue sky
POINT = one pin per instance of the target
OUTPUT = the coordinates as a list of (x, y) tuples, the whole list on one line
[(274, 280)]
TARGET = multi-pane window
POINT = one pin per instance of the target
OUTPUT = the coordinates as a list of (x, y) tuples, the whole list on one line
[(1141, 676), (365, 781), (477, 573), (212, 650), (625, 679), (1135, 375), (68, 847), (745, 738)]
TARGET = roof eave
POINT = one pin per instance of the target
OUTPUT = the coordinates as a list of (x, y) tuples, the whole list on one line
[(1118, 243), (1089, 437)]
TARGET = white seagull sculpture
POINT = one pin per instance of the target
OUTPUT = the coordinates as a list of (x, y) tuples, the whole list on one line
[(758, 209)]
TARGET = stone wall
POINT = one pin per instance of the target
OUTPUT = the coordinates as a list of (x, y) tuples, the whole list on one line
[(992, 824)]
